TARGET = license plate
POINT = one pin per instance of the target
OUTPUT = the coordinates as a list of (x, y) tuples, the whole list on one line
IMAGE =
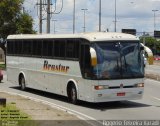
[(121, 94)]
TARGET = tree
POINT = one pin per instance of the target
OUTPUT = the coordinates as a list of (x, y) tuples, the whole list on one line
[(152, 43), (12, 20), (24, 24), (158, 47)]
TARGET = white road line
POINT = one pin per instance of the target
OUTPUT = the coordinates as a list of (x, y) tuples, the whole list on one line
[(59, 107), (152, 80), (156, 98)]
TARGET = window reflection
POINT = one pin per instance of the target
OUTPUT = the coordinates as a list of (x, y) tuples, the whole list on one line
[(118, 60)]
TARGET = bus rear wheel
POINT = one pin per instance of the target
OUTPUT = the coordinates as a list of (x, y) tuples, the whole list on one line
[(72, 94), (22, 83)]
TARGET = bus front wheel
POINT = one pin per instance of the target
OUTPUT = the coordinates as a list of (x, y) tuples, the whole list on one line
[(72, 94), (22, 82)]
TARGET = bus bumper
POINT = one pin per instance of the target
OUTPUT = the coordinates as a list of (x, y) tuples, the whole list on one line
[(118, 95)]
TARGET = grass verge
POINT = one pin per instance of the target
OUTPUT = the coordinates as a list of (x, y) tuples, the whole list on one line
[(2, 67), (12, 116)]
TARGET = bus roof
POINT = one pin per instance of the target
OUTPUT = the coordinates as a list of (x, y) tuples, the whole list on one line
[(92, 37)]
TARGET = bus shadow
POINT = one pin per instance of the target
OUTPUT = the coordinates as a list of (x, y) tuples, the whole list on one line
[(113, 105), (44, 94), (99, 106)]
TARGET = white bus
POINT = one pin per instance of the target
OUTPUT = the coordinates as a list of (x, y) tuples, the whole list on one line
[(93, 67)]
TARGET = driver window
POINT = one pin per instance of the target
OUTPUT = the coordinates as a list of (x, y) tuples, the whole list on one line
[(85, 61)]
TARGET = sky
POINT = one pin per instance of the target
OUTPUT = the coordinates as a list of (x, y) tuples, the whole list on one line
[(131, 14)]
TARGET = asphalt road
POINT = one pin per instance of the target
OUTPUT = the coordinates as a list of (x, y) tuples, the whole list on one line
[(153, 69), (147, 108)]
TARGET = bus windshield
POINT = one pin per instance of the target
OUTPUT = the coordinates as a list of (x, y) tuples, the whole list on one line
[(118, 60)]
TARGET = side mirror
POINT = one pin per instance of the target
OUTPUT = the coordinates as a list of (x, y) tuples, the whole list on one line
[(141, 48), (149, 53), (93, 57)]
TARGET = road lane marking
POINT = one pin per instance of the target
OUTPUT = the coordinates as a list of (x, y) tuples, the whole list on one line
[(156, 98), (59, 107), (152, 80)]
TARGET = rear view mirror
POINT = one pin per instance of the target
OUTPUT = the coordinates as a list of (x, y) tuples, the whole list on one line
[(149, 53), (93, 57), (141, 48)]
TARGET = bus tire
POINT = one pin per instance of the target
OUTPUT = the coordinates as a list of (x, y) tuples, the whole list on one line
[(22, 82), (72, 94)]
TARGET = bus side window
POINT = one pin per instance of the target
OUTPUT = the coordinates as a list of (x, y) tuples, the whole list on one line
[(47, 50), (17, 43), (10, 47), (85, 60), (37, 48), (59, 48), (27, 44), (72, 49)]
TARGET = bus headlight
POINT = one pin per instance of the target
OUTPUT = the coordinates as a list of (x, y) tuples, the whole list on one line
[(139, 85), (101, 87)]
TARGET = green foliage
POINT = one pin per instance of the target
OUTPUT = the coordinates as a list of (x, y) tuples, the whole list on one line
[(2, 66), (24, 24), (158, 47), (152, 43), (9, 10), (11, 112), (12, 116), (12, 21)]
